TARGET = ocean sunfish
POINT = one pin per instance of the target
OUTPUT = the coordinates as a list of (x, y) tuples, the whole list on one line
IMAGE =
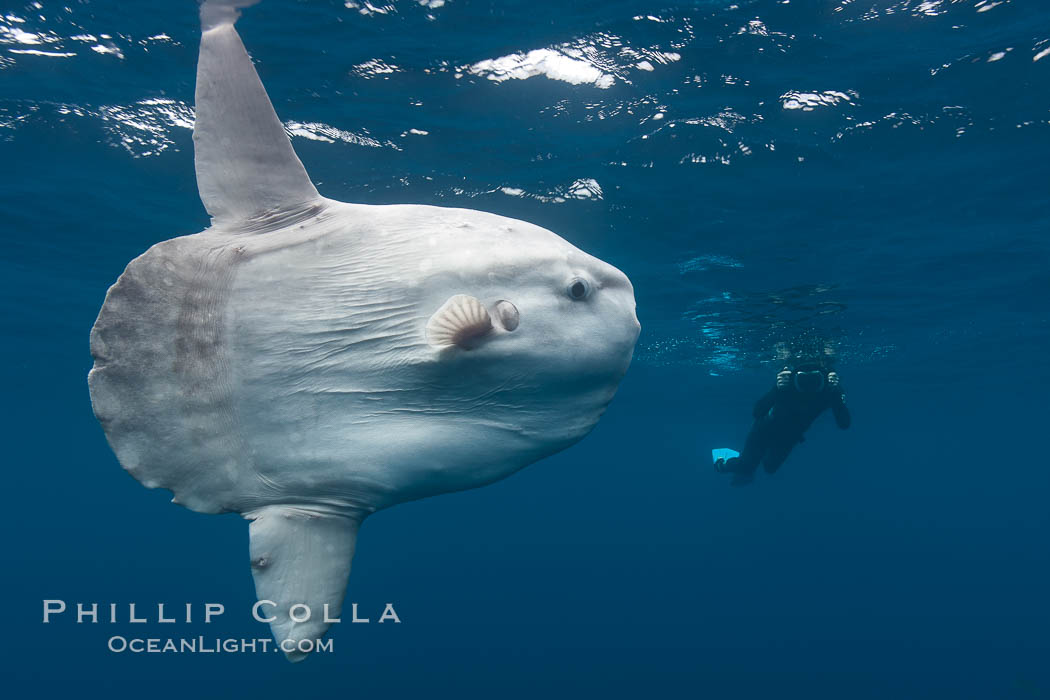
[(306, 362)]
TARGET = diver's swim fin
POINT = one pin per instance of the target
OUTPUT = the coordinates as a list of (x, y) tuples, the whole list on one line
[(725, 454)]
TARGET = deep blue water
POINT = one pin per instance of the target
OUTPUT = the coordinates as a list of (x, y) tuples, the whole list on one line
[(864, 178)]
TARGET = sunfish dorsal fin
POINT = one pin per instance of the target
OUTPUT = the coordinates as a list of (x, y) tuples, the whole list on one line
[(244, 160)]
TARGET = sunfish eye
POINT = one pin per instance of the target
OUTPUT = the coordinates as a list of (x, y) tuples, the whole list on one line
[(579, 289), (507, 314)]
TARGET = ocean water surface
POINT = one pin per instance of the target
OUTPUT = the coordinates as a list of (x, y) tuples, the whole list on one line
[(864, 179)]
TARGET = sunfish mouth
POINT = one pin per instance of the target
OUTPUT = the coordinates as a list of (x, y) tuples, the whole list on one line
[(463, 321)]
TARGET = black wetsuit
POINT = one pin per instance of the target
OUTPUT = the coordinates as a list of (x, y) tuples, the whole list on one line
[(781, 418)]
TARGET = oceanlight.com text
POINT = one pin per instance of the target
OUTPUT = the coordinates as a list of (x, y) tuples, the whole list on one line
[(214, 645)]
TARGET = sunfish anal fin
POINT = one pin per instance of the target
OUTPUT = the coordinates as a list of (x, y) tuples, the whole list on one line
[(300, 559), (245, 163)]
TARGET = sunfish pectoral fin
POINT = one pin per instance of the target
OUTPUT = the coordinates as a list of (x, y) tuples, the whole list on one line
[(245, 163), (461, 321), (300, 561)]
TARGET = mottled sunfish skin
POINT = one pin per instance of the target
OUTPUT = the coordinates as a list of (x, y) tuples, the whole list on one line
[(306, 362)]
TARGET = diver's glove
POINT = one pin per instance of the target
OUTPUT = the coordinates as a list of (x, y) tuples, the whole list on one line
[(784, 377), (834, 381)]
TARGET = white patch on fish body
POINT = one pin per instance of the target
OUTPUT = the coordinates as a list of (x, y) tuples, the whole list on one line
[(278, 364)]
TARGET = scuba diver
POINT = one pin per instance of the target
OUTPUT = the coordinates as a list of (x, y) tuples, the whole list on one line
[(783, 415)]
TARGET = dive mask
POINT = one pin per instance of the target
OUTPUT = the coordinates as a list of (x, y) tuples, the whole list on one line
[(809, 381)]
